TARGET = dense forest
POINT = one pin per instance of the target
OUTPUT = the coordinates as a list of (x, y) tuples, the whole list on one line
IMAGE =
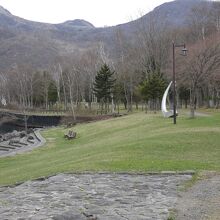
[(137, 74)]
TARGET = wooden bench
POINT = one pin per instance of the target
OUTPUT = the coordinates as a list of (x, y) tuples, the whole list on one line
[(70, 135)]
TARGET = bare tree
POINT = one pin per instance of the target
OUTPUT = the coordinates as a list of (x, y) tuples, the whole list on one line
[(56, 73), (200, 21), (215, 83), (202, 62), (125, 67), (89, 66)]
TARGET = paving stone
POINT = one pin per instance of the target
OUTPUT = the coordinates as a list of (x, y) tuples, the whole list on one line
[(92, 197), (69, 216)]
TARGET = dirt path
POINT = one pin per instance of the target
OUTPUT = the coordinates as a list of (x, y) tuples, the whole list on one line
[(202, 201), (200, 114)]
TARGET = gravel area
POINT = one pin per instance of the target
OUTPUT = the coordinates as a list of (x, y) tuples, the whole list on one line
[(201, 201), (92, 196)]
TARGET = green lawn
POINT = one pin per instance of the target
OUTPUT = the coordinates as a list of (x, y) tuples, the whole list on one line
[(137, 142)]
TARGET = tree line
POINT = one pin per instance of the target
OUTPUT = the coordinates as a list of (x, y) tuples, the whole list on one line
[(138, 73)]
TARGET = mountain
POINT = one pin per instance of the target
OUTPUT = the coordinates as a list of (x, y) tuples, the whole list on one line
[(176, 12), (38, 44), (78, 23)]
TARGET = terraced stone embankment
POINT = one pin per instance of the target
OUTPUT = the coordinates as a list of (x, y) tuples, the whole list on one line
[(18, 142)]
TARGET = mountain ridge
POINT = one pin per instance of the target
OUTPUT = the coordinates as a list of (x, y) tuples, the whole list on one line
[(39, 44), (4, 11)]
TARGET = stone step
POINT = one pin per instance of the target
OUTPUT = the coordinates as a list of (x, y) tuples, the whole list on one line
[(3, 149), (30, 141), (16, 145), (8, 147)]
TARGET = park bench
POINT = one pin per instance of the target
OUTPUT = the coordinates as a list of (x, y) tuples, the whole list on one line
[(70, 135)]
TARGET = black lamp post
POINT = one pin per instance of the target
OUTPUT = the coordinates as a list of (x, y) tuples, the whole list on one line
[(184, 51)]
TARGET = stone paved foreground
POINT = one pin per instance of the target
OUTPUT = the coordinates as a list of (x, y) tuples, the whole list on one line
[(92, 196)]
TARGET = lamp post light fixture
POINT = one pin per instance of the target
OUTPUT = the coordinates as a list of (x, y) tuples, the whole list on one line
[(184, 53)]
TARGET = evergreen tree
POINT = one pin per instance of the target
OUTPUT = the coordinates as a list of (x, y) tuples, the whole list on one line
[(153, 87), (52, 92), (103, 85), (119, 95)]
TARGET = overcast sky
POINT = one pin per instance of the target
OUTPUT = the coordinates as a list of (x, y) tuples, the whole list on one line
[(98, 12)]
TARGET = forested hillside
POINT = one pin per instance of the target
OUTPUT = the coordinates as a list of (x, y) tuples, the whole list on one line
[(55, 65)]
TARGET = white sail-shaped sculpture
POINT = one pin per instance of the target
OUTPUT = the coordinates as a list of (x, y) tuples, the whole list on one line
[(166, 114)]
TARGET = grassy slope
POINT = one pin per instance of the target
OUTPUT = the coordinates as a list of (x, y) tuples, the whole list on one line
[(137, 142)]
